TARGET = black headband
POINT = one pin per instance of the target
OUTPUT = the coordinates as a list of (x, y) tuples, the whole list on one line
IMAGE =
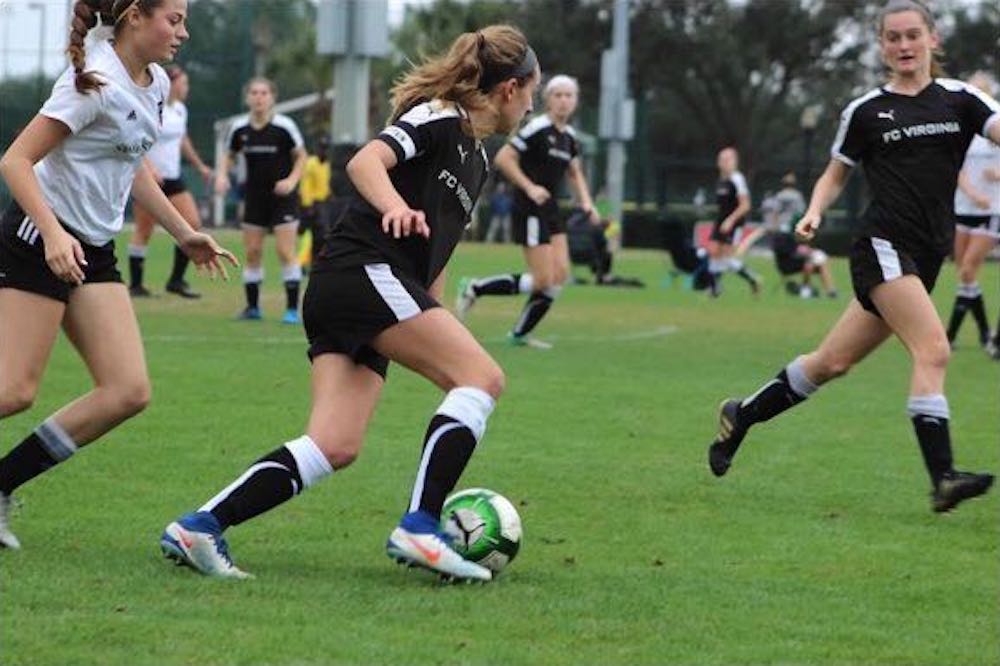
[(494, 73)]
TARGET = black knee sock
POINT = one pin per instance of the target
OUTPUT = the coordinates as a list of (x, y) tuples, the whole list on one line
[(292, 294), (506, 284), (958, 311), (929, 415), (538, 304), (46, 447), (252, 290), (180, 265), (978, 309), (135, 270), (787, 389), (270, 481), (448, 445)]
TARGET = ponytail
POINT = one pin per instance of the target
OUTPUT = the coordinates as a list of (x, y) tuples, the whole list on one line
[(474, 64), (85, 18)]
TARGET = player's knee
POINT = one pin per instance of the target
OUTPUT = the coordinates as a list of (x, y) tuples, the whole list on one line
[(933, 354), (494, 381), (832, 366), (339, 450), (130, 398), (967, 273), (17, 398)]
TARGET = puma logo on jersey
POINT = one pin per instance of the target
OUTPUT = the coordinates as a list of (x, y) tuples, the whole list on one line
[(888, 115), (462, 153), (131, 115)]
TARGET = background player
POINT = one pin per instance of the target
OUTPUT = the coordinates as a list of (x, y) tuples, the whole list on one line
[(535, 162), (275, 155), (164, 162), (373, 297), (912, 135), (732, 200)]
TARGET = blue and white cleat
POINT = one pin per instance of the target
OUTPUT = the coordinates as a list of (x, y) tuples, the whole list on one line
[(250, 314), (417, 542), (195, 540), (466, 298), (291, 317), (7, 538)]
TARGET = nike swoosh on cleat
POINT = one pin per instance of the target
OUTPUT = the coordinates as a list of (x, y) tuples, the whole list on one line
[(432, 555)]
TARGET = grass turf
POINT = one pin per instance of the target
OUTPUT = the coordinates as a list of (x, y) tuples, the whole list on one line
[(818, 547)]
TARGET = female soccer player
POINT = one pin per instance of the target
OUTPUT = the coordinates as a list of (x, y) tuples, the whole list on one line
[(164, 160), (70, 172), (275, 157), (732, 200), (911, 134), (535, 162), (373, 297), (977, 210)]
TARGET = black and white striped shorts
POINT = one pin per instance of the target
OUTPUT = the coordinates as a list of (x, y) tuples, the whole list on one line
[(22, 259), (876, 260), (345, 309)]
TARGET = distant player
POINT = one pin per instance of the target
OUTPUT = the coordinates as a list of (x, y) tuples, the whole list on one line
[(912, 135), (732, 201), (977, 211), (70, 172), (535, 161), (275, 156), (373, 297), (164, 160)]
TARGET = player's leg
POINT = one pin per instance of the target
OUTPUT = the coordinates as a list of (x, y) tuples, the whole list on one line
[(29, 324), (851, 339), (970, 294), (344, 394), (435, 345), (253, 270), (186, 206), (961, 305), (527, 234), (908, 310), (285, 237), (144, 224)]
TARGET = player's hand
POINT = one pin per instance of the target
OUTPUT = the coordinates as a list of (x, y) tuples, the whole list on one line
[(538, 194), (206, 173), (284, 187), (206, 254), (726, 227), (594, 217), (64, 255), (222, 183), (981, 201), (807, 227), (404, 221), (992, 174)]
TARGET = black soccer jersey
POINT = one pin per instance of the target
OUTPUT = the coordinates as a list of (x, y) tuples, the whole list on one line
[(268, 150), (912, 148), (727, 196), (440, 170), (545, 153)]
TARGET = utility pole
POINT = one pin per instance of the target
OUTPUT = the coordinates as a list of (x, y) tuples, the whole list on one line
[(617, 109)]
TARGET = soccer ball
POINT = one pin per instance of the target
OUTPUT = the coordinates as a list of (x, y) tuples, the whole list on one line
[(484, 527)]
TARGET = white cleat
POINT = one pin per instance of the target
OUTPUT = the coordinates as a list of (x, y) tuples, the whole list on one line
[(465, 300), (7, 538), (432, 552), (202, 547)]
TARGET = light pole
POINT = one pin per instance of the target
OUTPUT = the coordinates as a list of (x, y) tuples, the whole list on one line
[(40, 6)]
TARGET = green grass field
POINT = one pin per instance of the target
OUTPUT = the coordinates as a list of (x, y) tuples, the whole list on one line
[(818, 548)]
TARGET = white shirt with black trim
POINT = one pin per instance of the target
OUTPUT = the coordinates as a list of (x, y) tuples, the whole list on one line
[(912, 147), (440, 170), (87, 178), (982, 155), (165, 155)]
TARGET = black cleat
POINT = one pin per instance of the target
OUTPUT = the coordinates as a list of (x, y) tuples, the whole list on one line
[(139, 291), (731, 434), (182, 289), (955, 487)]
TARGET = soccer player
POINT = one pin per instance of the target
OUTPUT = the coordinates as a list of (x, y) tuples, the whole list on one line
[(535, 161), (912, 135), (732, 201), (275, 156), (374, 297), (164, 161), (70, 172), (977, 211)]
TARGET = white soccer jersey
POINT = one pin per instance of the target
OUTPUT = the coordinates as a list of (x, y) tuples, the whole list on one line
[(87, 178), (165, 154), (982, 155)]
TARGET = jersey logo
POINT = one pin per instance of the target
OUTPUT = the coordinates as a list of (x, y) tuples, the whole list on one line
[(462, 153), (131, 115), (888, 115), (552, 139)]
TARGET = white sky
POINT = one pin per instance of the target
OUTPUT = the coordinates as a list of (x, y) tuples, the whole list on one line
[(21, 26)]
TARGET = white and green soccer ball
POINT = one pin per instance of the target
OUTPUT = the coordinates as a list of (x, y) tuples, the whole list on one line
[(484, 527)]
